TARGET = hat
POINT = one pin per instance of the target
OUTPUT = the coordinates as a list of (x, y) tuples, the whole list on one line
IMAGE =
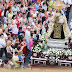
[(28, 27)]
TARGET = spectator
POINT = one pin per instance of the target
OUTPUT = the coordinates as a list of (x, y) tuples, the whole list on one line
[(10, 15), (27, 35), (50, 4), (9, 50), (20, 30), (7, 66), (16, 60), (14, 9), (2, 44), (0, 14), (37, 5), (30, 45), (44, 7)]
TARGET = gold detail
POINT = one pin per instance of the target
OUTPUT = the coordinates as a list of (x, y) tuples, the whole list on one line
[(58, 4)]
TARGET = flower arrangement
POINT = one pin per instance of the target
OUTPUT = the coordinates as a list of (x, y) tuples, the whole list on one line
[(59, 53), (68, 52), (55, 51), (44, 36), (36, 49), (41, 46)]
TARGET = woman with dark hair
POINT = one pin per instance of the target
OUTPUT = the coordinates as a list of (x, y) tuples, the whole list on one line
[(22, 9), (10, 15), (43, 16), (17, 40), (9, 49), (23, 44)]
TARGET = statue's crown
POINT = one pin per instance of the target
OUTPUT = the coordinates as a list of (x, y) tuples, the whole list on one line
[(58, 4)]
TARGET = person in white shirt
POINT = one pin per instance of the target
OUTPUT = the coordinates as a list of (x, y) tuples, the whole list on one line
[(32, 28), (34, 21), (67, 3), (1, 31), (14, 28), (14, 9), (34, 14), (2, 45), (18, 8), (27, 35), (20, 18), (44, 6), (50, 11)]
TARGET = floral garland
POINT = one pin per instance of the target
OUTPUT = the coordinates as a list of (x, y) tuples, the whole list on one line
[(40, 46), (59, 53)]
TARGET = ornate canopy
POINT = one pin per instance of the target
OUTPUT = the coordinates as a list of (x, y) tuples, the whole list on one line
[(58, 4)]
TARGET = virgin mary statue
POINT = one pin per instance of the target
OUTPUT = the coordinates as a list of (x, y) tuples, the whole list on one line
[(58, 28)]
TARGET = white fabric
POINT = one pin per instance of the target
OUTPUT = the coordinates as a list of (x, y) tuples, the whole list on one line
[(43, 29), (14, 21), (5, 35), (9, 48), (33, 24), (34, 14), (14, 9), (54, 43), (51, 13), (0, 62), (7, 1), (28, 27), (2, 43), (42, 3), (11, 63), (14, 29), (67, 1), (2, 14), (20, 19), (27, 37), (44, 7), (25, 20), (30, 19), (17, 8)]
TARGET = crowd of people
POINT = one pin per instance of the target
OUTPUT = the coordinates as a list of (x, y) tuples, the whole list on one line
[(20, 24)]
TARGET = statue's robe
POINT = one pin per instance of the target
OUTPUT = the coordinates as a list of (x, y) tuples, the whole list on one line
[(57, 30)]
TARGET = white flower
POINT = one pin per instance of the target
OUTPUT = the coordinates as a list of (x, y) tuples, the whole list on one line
[(68, 53), (37, 44), (57, 59), (61, 20), (40, 44)]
